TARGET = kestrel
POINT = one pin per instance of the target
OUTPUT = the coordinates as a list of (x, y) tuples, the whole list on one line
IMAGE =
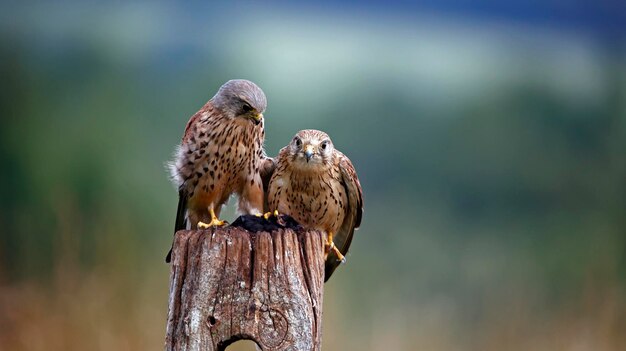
[(221, 153), (317, 185)]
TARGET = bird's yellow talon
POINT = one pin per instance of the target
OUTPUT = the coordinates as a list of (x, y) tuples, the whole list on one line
[(202, 225), (340, 256), (267, 215), (330, 246), (215, 222)]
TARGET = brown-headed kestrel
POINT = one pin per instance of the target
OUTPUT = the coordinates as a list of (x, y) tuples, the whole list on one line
[(317, 185), (221, 154)]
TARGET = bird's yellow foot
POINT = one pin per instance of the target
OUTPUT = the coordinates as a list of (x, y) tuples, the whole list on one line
[(267, 215), (330, 245), (340, 256), (215, 222)]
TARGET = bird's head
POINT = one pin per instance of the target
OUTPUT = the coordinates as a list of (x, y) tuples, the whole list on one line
[(311, 148), (240, 98)]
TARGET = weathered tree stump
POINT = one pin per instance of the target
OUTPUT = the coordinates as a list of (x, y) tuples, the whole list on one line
[(228, 284)]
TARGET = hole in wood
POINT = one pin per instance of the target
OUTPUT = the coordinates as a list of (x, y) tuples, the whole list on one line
[(242, 345), (212, 321)]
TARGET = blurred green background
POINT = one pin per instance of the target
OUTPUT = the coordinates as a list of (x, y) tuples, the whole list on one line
[(491, 147)]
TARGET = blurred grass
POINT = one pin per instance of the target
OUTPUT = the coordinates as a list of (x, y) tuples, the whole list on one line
[(491, 156)]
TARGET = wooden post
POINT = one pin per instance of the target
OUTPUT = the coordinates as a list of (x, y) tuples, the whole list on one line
[(228, 284)]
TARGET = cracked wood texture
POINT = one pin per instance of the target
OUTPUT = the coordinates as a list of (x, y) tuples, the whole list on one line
[(228, 284)]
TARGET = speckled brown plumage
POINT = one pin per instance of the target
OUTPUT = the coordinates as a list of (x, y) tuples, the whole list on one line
[(221, 153), (318, 186)]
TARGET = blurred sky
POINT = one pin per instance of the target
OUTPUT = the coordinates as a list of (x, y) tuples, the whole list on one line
[(489, 138)]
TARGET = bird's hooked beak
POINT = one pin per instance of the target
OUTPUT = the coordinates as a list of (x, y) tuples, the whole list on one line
[(257, 118), (308, 152)]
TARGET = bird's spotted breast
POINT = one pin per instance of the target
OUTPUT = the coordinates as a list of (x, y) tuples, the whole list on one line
[(313, 199), (217, 160)]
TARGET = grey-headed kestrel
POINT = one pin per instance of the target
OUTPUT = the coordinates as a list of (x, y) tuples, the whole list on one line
[(317, 185), (221, 154)]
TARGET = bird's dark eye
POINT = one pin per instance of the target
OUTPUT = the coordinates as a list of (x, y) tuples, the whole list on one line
[(324, 145), (246, 108), (298, 142)]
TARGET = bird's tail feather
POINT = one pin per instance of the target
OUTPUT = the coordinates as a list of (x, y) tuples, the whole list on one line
[(181, 218)]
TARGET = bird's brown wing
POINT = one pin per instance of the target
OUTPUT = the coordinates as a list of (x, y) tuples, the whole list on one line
[(354, 212), (181, 217), (266, 171), (193, 121)]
